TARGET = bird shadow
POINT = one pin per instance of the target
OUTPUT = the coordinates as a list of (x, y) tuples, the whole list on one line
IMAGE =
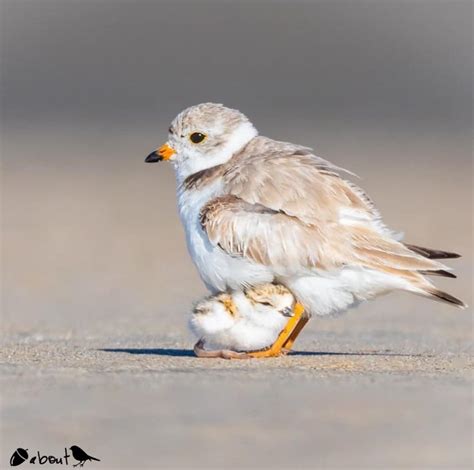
[(152, 351), (361, 353), (174, 352)]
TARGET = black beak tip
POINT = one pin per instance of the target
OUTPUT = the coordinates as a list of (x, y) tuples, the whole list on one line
[(153, 157)]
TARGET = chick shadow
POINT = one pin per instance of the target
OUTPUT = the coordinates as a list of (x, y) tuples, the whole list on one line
[(152, 351), (173, 352)]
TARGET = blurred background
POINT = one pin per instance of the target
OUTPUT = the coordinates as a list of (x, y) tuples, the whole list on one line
[(93, 248), (89, 87)]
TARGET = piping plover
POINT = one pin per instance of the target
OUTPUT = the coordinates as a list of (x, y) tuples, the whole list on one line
[(256, 210), (245, 320)]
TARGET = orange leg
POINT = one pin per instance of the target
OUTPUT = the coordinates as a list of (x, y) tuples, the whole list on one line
[(295, 333), (287, 337)]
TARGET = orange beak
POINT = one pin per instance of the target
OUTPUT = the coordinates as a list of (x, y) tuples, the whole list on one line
[(165, 152)]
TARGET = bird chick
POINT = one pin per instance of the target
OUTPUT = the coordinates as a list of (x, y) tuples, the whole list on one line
[(231, 323)]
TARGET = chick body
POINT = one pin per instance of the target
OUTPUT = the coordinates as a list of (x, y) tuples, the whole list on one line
[(243, 320)]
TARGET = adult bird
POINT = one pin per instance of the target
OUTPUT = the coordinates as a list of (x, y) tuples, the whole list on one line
[(256, 210)]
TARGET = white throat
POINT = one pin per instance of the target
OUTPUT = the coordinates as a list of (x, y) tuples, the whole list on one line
[(238, 140)]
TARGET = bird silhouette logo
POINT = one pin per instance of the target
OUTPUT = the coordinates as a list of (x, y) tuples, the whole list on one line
[(81, 456)]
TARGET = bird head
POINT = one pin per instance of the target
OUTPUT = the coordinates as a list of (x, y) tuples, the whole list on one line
[(204, 136), (271, 298), (212, 316)]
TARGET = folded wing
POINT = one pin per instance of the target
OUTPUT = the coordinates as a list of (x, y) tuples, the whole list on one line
[(287, 208)]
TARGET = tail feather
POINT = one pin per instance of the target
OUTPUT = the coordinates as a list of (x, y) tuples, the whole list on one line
[(431, 253), (439, 272), (445, 297)]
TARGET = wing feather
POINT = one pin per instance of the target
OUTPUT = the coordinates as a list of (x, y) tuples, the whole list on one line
[(287, 208)]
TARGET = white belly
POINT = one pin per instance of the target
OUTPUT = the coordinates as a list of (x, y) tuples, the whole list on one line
[(321, 293), (243, 336), (338, 290), (218, 270)]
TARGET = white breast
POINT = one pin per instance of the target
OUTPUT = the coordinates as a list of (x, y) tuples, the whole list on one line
[(218, 270)]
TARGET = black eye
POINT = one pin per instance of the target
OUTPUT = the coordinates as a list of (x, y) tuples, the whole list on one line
[(268, 304), (197, 137), (170, 130)]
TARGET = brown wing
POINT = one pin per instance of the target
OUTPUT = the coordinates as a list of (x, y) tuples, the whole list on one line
[(289, 178), (288, 208), (259, 233), (273, 238), (291, 210)]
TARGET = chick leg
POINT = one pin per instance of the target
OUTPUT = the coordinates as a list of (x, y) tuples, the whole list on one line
[(220, 353), (287, 336)]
